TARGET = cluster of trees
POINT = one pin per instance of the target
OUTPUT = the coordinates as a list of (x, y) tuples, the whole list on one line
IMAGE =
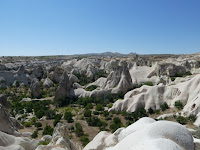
[(80, 133), (116, 124), (91, 88), (83, 79)]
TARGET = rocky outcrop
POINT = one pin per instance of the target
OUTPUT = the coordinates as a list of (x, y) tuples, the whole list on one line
[(63, 90), (35, 88), (146, 97), (170, 69), (119, 80), (8, 124), (56, 75), (10, 142), (60, 140), (47, 83), (145, 134)]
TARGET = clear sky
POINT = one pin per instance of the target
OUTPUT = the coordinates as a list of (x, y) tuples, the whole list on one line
[(62, 27)]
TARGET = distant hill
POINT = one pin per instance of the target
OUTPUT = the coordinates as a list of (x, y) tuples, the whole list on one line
[(111, 54)]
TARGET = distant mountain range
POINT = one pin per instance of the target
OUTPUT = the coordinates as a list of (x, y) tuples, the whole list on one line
[(111, 54)]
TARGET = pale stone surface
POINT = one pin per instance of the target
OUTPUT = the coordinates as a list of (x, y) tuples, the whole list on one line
[(145, 134)]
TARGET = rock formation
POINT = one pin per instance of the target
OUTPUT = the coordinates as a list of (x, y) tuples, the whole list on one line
[(63, 90), (60, 140), (145, 134), (8, 124), (35, 88)]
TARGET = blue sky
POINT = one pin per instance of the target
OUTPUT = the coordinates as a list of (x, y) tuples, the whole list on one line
[(62, 27)]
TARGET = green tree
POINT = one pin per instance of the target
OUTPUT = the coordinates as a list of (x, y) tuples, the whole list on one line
[(68, 116)]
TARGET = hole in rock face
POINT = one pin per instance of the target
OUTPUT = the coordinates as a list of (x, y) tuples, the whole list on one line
[(193, 106)]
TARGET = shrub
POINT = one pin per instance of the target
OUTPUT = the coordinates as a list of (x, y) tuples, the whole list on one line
[(35, 134), (141, 113), (164, 106), (95, 112), (71, 128), (27, 124), (48, 130), (84, 140), (192, 118), (89, 106), (57, 119), (50, 114), (116, 124), (87, 113), (79, 130), (105, 113), (99, 107), (150, 111), (91, 88), (173, 78), (38, 124), (178, 105), (68, 116), (46, 142), (179, 74), (40, 113), (148, 83), (182, 120), (188, 73)]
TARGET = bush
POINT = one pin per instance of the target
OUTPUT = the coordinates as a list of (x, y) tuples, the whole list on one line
[(89, 106), (40, 113), (79, 130), (99, 107), (116, 124), (84, 140), (95, 112), (68, 116), (164, 106), (178, 105), (188, 73), (46, 142), (50, 114), (182, 120), (48, 130), (173, 78), (87, 113), (57, 119), (148, 83), (141, 113), (91, 88), (27, 124), (192, 118), (38, 125), (150, 111), (35, 134), (105, 113), (71, 128)]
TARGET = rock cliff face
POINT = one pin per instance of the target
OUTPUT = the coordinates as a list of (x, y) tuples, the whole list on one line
[(8, 124), (145, 134)]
